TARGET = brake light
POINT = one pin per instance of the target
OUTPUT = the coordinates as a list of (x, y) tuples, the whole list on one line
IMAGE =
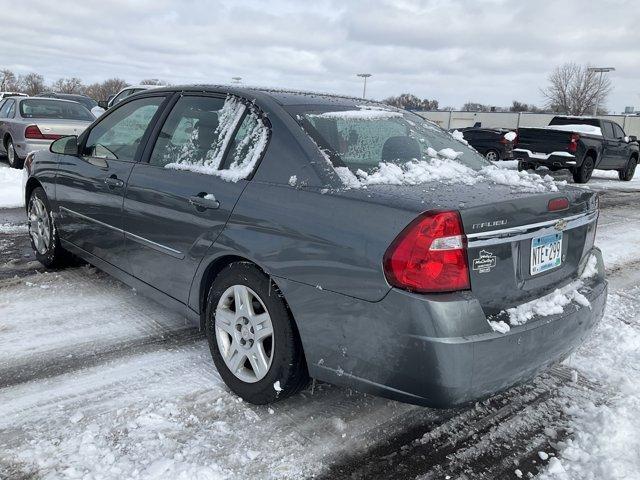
[(557, 204), (34, 133), (573, 144), (429, 255)]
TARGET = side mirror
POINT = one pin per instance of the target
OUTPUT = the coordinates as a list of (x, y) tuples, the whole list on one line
[(103, 104), (65, 146), (633, 138)]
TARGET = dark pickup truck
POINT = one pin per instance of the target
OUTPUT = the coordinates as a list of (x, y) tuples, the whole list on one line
[(579, 144)]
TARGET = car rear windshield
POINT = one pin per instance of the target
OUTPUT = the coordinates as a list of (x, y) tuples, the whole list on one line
[(364, 137), (41, 108)]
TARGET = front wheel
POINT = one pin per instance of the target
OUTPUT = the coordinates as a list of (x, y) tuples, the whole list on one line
[(42, 232), (627, 173), (252, 337), (582, 174), (12, 155)]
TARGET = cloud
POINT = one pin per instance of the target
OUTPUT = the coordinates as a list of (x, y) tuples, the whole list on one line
[(492, 51)]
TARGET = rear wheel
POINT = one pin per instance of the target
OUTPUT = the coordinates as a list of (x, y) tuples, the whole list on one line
[(492, 155), (582, 174), (42, 232), (627, 173), (252, 337), (12, 155), (522, 166)]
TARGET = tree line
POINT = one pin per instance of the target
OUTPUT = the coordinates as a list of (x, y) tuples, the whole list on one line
[(33, 84), (572, 90)]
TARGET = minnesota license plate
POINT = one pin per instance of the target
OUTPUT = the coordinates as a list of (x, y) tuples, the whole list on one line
[(546, 253)]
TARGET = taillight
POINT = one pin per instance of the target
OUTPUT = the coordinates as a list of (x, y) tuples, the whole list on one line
[(558, 204), (34, 133), (573, 144), (429, 255)]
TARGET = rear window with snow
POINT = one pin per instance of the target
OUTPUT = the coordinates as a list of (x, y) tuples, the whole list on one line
[(366, 137), (212, 136)]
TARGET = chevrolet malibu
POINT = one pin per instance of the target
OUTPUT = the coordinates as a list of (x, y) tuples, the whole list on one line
[(320, 236)]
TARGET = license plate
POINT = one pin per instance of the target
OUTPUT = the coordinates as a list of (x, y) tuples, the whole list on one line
[(546, 253)]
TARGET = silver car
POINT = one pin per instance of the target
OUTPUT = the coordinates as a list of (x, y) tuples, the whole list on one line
[(32, 123)]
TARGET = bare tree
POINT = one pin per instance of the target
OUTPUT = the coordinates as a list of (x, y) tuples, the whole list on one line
[(411, 102), (8, 81), (68, 85), (32, 83), (574, 90), (103, 90)]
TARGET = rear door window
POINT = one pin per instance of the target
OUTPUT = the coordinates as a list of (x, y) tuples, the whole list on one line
[(4, 108), (607, 130)]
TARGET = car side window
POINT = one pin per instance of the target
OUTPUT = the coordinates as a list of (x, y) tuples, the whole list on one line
[(617, 130), (190, 133), (122, 95), (119, 134), (4, 108), (200, 131), (607, 130)]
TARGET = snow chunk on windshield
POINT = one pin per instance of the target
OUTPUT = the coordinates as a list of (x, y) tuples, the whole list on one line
[(579, 128), (458, 135), (445, 170), (364, 112)]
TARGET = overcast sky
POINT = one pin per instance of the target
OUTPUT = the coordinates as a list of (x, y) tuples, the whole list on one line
[(490, 52)]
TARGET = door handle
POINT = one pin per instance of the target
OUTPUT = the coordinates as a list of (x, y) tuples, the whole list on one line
[(204, 201), (114, 182)]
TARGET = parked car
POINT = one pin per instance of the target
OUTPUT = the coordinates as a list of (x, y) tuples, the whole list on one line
[(32, 123), (238, 208), (580, 144), (87, 102), (122, 94), (4, 95), (490, 142)]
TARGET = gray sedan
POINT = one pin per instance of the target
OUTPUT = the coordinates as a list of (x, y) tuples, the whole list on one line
[(319, 236), (32, 123)]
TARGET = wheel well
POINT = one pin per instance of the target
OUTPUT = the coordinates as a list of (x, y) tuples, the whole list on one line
[(634, 155), (593, 154), (32, 184), (5, 140)]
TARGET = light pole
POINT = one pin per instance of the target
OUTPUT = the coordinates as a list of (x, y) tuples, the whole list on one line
[(365, 76), (600, 70)]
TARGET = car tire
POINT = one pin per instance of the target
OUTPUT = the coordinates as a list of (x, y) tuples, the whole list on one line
[(522, 166), (260, 368), (627, 173), (12, 155), (43, 233), (492, 155), (582, 174)]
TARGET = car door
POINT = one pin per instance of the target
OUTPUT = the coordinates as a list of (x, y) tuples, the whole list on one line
[(4, 110), (611, 147), (177, 202), (623, 146), (90, 186)]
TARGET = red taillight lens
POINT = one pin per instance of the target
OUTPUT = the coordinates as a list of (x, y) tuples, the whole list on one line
[(429, 255), (34, 133), (573, 144), (557, 204)]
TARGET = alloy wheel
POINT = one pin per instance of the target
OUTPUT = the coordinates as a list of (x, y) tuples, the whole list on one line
[(491, 156), (39, 225), (11, 153), (244, 333)]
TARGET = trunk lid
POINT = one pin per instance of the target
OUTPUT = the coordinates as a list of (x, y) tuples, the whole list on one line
[(59, 126), (501, 225)]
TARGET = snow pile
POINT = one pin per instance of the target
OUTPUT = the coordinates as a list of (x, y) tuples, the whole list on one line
[(551, 304), (578, 128), (605, 443), (445, 170), (10, 187), (245, 153), (364, 112), (458, 135), (510, 136)]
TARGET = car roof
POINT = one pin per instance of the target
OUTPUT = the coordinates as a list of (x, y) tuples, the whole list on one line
[(281, 96), (49, 99)]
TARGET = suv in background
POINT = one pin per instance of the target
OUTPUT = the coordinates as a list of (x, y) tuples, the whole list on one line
[(124, 93), (490, 142), (4, 95)]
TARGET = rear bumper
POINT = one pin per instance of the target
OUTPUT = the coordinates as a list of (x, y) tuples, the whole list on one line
[(441, 351), (554, 159), (24, 147)]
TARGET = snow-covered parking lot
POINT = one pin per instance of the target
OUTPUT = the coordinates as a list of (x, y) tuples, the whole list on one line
[(98, 382)]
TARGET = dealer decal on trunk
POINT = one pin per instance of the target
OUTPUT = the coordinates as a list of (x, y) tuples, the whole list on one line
[(485, 262)]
